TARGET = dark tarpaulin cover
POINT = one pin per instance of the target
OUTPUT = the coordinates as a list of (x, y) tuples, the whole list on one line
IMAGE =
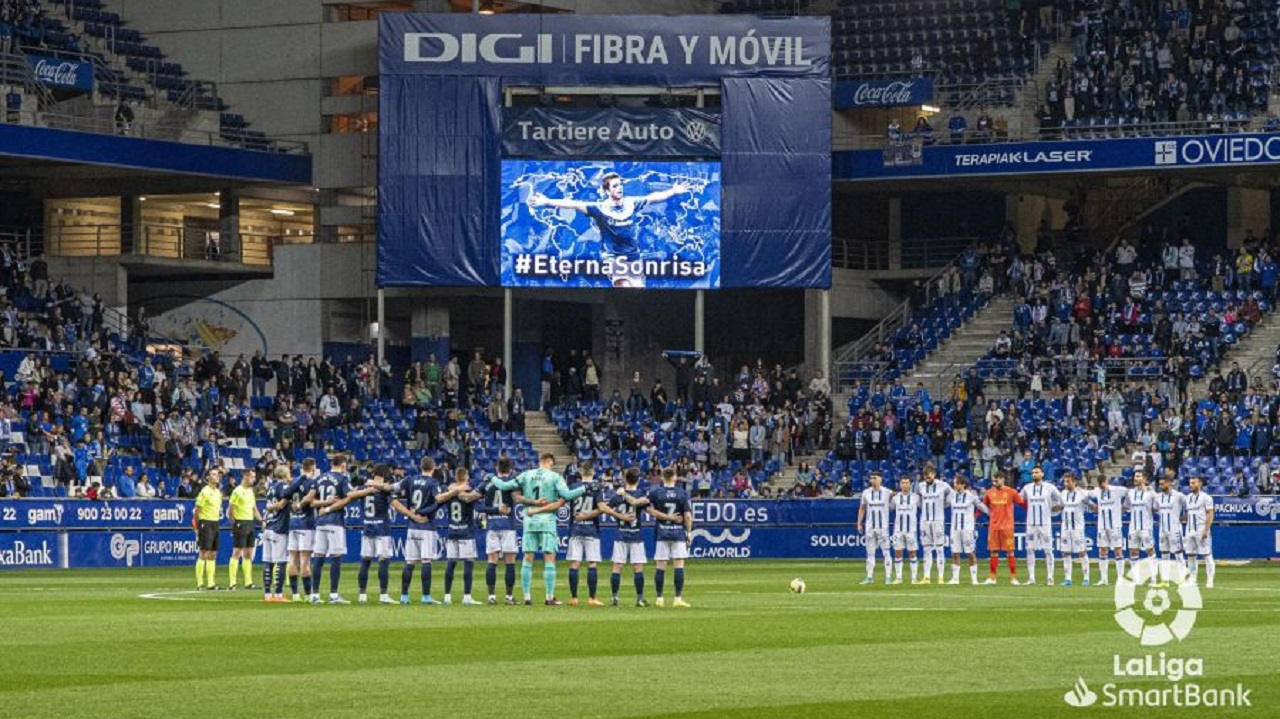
[(776, 174), (438, 170)]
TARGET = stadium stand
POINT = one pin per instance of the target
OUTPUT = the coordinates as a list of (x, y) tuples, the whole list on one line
[(730, 438), (128, 71), (1136, 65), (960, 41)]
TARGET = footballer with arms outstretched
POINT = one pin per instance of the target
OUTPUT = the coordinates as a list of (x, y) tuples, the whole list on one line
[(616, 218)]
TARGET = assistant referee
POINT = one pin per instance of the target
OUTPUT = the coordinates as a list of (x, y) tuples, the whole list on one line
[(243, 510), (208, 512)]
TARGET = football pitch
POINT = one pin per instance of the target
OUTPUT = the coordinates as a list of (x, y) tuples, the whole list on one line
[(138, 643)]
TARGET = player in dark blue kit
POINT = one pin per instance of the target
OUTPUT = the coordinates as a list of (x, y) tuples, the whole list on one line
[(275, 536), (419, 498), (500, 534), (669, 505), (617, 219), (584, 533), (302, 527), (628, 548), (331, 531), (375, 538), (461, 542)]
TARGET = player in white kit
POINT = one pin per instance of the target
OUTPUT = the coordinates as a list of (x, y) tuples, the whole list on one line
[(874, 509), (1170, 504), (1071, 537), (906, 517), (934, 494), (1141, 502), (1042, 499), (1109, 503), (1198, 541), (964, 533)]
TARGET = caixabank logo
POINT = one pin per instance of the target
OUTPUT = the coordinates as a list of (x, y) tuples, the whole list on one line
[(1157, 604)]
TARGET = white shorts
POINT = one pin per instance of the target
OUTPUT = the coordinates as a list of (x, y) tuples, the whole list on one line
[(460, 549), (301, 540), (875, 539), (421, 545), (963, 541), (629, 553), (584, 549), (1039, 539), (274, 547), (1193, 544), (331, 541), (1111, 539), (1171, 541), (500, 541), (376, 547), (1141, 540), (905, 541), (668, 549), (932, 534), (1071, 542)]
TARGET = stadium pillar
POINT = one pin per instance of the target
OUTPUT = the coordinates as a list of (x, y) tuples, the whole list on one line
[(824, 332), (895, 233), (130, 225), (817, 332), (1247, 209), (508, 327), (700, 321), (229, 224), (382, 325)]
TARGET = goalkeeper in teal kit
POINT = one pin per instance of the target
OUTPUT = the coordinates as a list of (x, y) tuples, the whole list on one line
[(543, 491)]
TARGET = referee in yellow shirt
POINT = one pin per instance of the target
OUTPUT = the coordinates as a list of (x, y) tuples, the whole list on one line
[(208, 513), (243, 510)]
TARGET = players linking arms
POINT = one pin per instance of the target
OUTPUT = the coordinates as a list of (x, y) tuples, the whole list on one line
[(545, 491), (670, 506)]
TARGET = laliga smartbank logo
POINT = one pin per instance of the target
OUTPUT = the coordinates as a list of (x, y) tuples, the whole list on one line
[(1160, 620), (1157, 606)]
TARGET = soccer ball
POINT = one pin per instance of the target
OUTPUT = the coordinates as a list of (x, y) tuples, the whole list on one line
[(797, 586)]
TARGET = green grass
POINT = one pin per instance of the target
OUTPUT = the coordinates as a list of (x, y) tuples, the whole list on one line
[(85, 644)]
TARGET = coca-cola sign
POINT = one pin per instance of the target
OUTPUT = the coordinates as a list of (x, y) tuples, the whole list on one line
[(884, 93), (62, 74)]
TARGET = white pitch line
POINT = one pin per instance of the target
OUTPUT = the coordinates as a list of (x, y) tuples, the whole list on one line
[(174, 596)]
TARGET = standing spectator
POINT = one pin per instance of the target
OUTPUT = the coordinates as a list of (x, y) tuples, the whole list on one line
[(39, 277), (516, 410)]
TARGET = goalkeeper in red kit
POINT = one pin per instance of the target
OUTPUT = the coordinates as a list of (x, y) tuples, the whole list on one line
[(1000, 501)]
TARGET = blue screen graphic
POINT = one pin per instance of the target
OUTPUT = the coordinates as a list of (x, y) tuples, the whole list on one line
[(599, 223)]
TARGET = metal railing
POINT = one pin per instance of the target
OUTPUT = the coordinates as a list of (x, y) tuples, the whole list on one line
[(861, 254), (1083, 371), (971, 136), (160, 241), (850, 356)]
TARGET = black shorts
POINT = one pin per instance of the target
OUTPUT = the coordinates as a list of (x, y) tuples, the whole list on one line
[(207, 535), (242, 534)]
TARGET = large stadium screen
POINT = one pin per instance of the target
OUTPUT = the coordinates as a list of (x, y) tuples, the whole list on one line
[(603, 223)]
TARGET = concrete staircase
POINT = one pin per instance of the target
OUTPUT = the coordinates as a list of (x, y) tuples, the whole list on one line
[(1034, 92), (965, 346), (1256, 354), (544, 437)]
